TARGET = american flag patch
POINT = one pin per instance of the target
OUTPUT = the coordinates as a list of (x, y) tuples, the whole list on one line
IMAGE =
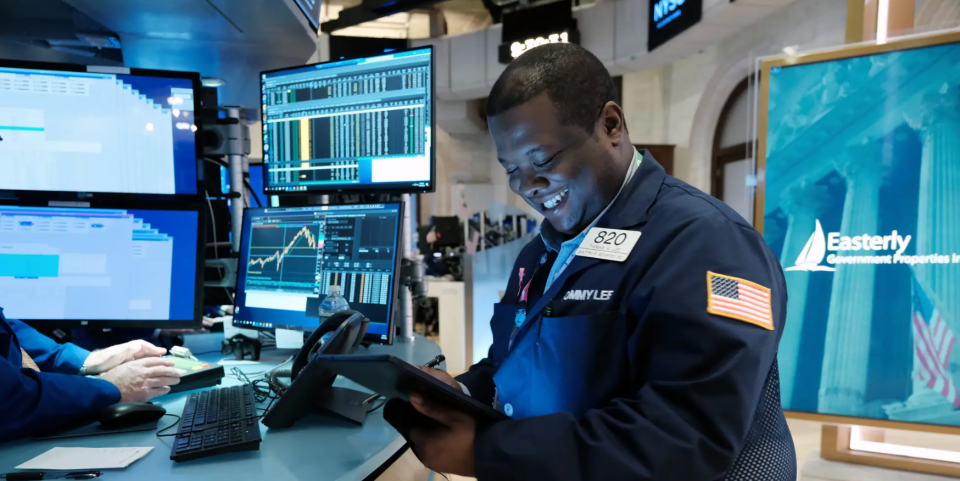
[(739, 299)]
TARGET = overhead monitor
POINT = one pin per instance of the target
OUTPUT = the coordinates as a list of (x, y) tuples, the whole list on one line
[(65, 128), (311, 10), (108, 267), (289, 256), (364, 124)]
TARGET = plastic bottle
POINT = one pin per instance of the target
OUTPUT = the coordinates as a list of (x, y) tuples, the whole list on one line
[(332, 304)]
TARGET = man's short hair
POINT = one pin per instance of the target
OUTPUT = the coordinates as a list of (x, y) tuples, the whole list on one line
[(573, 78)]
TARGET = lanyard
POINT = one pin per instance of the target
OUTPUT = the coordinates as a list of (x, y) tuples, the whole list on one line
[(521, 315)]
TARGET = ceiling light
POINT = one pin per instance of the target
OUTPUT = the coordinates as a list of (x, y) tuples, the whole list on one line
[(212, 81)]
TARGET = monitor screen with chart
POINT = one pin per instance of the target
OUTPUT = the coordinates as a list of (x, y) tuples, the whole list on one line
[(109, 267), (66, 129), (358, 124), (290, 256)]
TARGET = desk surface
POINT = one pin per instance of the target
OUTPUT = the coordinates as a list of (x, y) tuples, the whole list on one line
[(317, 447)]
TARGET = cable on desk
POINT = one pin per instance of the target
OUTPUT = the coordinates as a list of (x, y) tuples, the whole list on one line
[(377, 407), (160, 432), (265, 371), (263, 388)]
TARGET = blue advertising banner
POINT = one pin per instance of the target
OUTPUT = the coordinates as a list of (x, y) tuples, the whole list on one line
[(860, 198)]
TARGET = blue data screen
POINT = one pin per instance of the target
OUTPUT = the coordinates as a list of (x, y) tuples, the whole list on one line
[(98, 264), (83, 132)]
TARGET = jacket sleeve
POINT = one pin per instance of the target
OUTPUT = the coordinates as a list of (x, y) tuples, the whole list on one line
[(49, 356), (479, 379), (699, 377), (35, 402)]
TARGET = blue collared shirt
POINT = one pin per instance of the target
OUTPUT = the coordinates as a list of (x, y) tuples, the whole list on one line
[(554, 240)]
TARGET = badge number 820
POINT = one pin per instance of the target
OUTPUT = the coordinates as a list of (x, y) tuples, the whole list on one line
[(608, 244)]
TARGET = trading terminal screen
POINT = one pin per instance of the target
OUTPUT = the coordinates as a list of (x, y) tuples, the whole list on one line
[(76, 264), (361, 124), (290, 256), (65, 131)]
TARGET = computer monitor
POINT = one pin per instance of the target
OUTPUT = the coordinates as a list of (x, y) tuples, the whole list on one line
[(289, 256), (102, 267), (448, 231), (73, 128), (361, 124)]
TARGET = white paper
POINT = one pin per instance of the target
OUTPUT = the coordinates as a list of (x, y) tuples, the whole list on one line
[(608, 244), (80, 459)]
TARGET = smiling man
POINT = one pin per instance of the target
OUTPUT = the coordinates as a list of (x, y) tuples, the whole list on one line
[(638, 334)]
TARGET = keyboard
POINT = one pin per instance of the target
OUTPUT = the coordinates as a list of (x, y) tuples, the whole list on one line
[(217, 421)]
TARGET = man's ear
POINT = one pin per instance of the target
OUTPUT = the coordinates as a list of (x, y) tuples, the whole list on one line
[(611, 123)]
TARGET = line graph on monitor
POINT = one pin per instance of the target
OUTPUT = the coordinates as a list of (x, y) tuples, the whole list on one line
[(284, 256)]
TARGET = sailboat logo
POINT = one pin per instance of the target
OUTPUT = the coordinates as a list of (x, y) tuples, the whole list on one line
[(813, 253)]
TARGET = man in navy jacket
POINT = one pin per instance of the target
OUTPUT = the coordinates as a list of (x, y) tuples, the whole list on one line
[(638, 333), (46, 385)]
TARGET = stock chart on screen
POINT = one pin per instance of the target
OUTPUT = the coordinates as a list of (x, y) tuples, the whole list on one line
[(284, 256), (292, 255)]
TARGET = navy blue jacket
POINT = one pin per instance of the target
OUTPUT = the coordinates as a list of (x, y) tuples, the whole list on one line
[(35, 402), (619, 371)]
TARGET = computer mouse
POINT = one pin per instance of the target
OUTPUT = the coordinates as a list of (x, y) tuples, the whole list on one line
[(125, 415)]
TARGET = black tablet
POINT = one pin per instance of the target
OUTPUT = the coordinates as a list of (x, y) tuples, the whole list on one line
[(396, 379)]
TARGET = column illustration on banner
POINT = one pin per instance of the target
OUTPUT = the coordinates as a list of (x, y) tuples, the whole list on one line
[(862, 204)]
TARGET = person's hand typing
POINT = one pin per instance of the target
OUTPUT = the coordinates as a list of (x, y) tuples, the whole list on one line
[(143, 379), (106, 359)]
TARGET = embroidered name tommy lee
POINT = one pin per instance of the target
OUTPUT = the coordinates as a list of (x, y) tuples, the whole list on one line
[(587, 295)]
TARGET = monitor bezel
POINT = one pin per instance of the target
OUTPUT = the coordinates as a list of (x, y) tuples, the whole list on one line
[(368, 188), (202, 222), (398, 259), (194, 78)]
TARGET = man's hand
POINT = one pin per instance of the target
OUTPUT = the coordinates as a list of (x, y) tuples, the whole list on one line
[(448, 449), (106, 359), (441, 375), (143, 379)]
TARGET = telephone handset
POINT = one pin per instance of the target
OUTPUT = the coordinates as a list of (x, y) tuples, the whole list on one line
[(345, 343), (311, 388)]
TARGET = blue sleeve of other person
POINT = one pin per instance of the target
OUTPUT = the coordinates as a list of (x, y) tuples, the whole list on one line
[(49, 356), (35, 402), (703, 376)]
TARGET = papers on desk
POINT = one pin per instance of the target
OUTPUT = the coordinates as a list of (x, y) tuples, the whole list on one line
[(81, 459)]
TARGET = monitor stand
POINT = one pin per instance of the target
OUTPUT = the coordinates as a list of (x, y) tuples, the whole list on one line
[(343, 402)]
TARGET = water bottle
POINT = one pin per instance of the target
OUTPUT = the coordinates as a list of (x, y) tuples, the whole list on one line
[(332, 304)]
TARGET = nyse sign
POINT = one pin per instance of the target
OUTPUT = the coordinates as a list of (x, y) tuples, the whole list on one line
[(665, 11), (510, 51), (669, 18)]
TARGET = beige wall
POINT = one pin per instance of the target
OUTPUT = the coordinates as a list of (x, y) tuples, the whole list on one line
[(680, 103)]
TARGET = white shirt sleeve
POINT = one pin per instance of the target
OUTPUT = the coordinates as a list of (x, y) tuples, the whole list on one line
[(464, 389)]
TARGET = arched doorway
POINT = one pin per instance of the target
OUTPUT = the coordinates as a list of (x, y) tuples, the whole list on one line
[(732, 177)]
